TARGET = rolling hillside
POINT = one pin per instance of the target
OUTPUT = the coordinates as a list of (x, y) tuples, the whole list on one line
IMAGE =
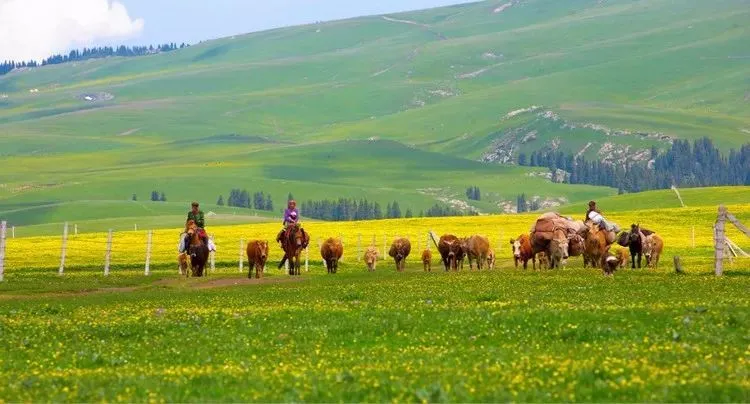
[(399, 107)]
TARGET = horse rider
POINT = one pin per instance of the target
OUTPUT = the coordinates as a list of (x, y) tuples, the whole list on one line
[(197, 216), (594, 215), (291, 218)]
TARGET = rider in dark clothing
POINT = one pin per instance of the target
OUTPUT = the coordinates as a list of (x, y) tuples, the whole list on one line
[(197, 216)]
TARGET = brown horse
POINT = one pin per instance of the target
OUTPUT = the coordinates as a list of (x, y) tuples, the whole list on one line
[(197, 249), (293, 242), (595, 246)]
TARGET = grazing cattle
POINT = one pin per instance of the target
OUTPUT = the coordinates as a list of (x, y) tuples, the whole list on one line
[(491, 259), (543, 259), (400, 249), (257, 254), (183, 262), (522, 251), (635, 244), (427, 260), (477, 248), (371, 258), (451, 251), (558, 248), (332, 250), (595, 246), (623, 257), (653, 249)]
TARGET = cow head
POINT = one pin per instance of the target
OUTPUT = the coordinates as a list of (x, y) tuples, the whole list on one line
[(263, 249), (516, 245), (559, 245)]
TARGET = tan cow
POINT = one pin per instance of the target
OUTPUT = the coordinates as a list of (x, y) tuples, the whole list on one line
[(427, 260), (400, 249), (371, 258), (332, 250), (257, 254), (477, 248), (653, 247)]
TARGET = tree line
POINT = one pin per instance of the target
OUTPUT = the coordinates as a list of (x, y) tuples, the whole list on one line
[(240, 198), (91, 53), (346, 209), (473, 193), (156, 196), (700, 164)]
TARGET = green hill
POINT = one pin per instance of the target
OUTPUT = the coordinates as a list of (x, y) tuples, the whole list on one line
[(398, 107)]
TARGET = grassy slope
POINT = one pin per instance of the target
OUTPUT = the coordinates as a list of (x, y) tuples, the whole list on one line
[(503, 335), (654, 66)]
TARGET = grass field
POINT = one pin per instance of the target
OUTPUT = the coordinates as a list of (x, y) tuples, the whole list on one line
[(502, 335), (291, 110)]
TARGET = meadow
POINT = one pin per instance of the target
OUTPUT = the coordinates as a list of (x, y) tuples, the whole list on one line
[(502, 335)]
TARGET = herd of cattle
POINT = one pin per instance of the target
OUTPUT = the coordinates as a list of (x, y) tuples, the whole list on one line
[(552, 240)]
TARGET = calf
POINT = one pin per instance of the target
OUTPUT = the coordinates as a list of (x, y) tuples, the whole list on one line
[(331, 250), (623, 257), (427, 260), (257, 254), (491, 259), (522, 251), (371, 258), (400, 249), (543, 259), (558, 249), (183, 262), (652, 250)]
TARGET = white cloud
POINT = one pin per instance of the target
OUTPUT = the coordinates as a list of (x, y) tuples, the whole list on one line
[(35, 29)]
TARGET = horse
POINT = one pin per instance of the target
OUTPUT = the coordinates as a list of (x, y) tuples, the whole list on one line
[(197, 249), (595, 246), (293, 242), (635, 244)]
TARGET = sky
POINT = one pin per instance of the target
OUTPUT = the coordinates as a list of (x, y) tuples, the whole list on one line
[(35, 29)]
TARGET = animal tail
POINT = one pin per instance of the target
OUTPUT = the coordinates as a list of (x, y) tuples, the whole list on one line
[(434, 238)]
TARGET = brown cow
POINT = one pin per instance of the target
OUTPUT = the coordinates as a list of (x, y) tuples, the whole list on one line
[(451, 250), (331, 250), (623, 256), (257, 254), (595, 246), (477, 248), (543, 259), (427, 260), (400, 249), (654, 245), (183, 262), (371, 258), (558, 248), (522, 251)]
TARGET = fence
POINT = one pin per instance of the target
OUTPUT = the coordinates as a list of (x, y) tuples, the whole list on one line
[(112, 250), (722, 244)]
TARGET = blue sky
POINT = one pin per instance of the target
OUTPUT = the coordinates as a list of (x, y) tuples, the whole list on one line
[(195, 20)]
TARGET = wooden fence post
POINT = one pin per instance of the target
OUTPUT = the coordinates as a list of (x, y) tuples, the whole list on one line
[(693, 238), (359, 247), (13, 231), (75, 229), (212, 254), (341, 237), (307, 259), (149, 235), (720, 241), (108, 253), (385, 241), (135, 227), (3, 226), (62, 250), (241, 256)]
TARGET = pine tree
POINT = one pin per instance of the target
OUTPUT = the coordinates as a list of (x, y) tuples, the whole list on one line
[(162, 197), (135, 197), (408, 214), (269, 203)]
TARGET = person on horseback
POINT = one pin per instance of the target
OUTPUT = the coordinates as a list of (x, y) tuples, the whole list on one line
[(594, 215), (291, 218), (197, 216)]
